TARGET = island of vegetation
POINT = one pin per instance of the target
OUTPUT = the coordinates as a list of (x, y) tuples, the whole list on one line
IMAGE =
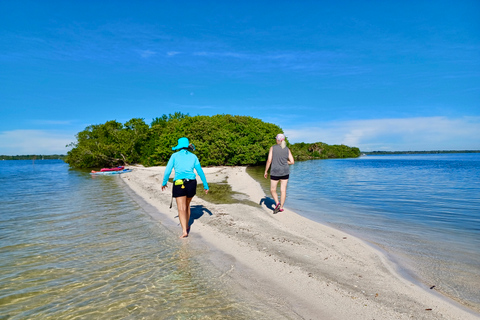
[(219, 140)]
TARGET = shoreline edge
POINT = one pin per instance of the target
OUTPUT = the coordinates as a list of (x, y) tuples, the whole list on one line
[(300, 268)]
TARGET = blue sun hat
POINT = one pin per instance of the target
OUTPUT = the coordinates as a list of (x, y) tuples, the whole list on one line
[(182, 143)]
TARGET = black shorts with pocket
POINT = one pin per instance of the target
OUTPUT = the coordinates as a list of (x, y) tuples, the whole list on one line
[(280, 177), (188, 188)]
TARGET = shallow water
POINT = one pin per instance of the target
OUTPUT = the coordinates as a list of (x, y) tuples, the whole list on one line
[(423, 210), (74, 247)]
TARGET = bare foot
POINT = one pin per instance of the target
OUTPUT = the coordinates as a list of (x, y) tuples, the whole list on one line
[(184, 235)]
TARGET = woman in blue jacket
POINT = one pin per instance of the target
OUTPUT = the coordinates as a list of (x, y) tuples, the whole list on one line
[(185, 181)]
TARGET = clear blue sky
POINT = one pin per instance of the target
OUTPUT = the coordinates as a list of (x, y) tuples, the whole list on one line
[(379, 75)]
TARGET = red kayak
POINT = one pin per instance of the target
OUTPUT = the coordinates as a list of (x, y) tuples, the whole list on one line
[(113, 169), (108, 173)]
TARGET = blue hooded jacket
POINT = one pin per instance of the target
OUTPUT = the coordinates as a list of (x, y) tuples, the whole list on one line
[(184, 162)]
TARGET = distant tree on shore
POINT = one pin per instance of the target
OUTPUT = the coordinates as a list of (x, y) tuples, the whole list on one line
[(33, 157), (219, 140), (108, 144), (320, 150)]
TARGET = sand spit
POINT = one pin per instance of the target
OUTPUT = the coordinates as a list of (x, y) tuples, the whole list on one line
[(300, 268)]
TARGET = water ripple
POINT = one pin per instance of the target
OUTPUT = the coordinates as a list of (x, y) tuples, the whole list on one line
[(68, 253), (423, 209)]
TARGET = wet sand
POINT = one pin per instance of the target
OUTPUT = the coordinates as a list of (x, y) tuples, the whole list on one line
[(293, 266)]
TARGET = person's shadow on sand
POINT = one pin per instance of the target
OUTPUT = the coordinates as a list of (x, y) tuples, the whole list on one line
[(268, 202), (196, 212)]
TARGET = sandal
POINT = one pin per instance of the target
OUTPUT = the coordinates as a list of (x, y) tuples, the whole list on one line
[(277, 208)]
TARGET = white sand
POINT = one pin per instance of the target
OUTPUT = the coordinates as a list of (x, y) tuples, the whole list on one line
[(300, 268)]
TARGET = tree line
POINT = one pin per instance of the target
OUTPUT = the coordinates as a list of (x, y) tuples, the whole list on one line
[(320, 150), (219, 140), (33, 157)]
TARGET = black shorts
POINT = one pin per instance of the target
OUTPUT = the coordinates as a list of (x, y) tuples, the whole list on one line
[(188, 188), (280, 177)]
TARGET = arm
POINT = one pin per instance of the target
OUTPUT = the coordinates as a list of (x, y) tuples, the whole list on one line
[(167, 172), (290, 157), (199, 170), (269, 162)]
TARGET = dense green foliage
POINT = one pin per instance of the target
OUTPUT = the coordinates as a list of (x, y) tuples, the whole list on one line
[(219, 140), (109, 144), (319, 150), (33, 157)]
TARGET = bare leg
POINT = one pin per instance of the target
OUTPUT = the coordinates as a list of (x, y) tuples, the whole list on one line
[(183, 214), (273, 190), (188, 214), (283, 192)]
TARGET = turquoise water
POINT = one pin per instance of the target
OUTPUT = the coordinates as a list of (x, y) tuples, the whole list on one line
[(73, 247), (422, 210)]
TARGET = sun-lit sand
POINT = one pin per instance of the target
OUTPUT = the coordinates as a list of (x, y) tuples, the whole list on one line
[(299, 268)]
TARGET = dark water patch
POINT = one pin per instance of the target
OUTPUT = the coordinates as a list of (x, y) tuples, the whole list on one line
[(221, 193)]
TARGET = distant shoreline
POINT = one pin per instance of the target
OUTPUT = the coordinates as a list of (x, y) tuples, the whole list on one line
[(419, 152), (34, 157), (62, 156)]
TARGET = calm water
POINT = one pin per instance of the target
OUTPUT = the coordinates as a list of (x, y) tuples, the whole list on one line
[(423, 210), (73, 247)]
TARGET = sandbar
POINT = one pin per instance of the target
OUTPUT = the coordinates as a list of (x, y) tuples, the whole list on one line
[(299, 268)]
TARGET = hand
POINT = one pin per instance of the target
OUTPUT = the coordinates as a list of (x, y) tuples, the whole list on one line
[(265, 175), (164, 187), (206, 191)]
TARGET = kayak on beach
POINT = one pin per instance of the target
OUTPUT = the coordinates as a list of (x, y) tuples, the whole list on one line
[(113, 169), (110, 172)]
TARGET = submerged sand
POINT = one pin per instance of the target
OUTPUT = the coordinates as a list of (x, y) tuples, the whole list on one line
[(298, 268)]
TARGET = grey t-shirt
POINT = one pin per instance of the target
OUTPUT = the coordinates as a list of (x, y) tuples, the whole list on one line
[(279, 161)]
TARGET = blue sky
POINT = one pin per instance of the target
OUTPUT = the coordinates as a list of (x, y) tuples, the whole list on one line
[(378, 75)]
